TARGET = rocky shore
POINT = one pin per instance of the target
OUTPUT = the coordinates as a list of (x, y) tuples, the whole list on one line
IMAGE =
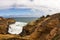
[(4, 24), (44, 28)]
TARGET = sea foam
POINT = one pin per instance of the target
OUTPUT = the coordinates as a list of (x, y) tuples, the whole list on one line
[(16, 28)]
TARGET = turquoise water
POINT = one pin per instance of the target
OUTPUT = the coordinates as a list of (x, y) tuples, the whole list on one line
[(25, 19)]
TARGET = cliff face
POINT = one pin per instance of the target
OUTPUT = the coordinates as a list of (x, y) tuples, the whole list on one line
[(31, 26), (4, 24), (44, 28)]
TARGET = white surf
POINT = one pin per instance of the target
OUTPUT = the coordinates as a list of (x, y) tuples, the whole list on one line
[(16, 28)]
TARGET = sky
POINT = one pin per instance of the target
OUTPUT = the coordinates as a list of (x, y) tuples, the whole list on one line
[(29, 8)]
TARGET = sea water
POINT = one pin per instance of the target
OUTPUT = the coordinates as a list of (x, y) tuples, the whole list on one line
[(17, 27), (25, 19)]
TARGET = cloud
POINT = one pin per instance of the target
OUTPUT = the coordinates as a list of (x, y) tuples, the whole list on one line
[(47, 6), (6, 4), (29, 3), (47, 3)]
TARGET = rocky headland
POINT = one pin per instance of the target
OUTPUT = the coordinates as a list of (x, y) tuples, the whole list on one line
[(44, 28)]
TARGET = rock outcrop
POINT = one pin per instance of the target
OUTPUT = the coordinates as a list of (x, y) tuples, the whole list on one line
[(4, 24), (44, 28), (10, 20)]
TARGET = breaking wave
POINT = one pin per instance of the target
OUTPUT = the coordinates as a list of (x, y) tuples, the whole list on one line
[(16, 28)]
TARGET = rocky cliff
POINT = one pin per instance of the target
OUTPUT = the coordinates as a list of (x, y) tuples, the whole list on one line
[(44, 28), (4, 24)]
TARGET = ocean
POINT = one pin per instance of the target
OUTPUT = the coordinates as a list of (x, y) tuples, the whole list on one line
[(25, 19), (17, 27)]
